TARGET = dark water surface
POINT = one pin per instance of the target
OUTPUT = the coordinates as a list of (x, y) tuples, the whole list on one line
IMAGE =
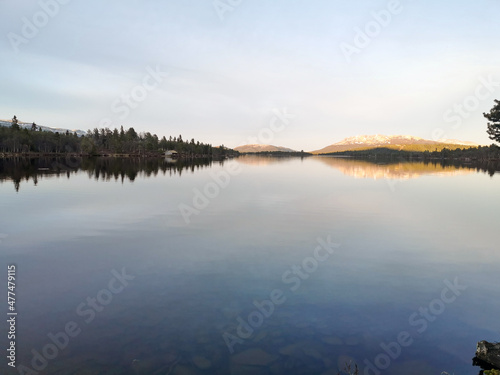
[(251, 266)]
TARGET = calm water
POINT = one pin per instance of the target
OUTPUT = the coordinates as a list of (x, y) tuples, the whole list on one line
[(273, 266)]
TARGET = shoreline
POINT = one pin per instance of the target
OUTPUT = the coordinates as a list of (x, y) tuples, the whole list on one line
[(4, 155)]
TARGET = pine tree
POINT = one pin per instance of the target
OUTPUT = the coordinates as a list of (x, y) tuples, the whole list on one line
[(15, 123), (494, 124)]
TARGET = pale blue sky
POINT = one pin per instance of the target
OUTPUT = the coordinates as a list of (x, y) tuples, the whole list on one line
[(227, 75)]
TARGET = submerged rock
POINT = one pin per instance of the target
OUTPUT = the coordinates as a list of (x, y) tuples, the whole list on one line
[(291, 350), (311, 352), (248, 370), (330, 372), (352, 341), (170, 357), (261, 336), (184, 370), (302, 324), (203, 340), (253, 357), (201, 362), (332, 340)]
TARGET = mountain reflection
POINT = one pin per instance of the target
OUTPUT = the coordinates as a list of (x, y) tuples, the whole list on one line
[(18, 170), (261, 160), (404, 169)]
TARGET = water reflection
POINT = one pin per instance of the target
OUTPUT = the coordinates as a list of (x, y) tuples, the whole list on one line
[(258, 160), (194, 282), (407, 169), (105, 169)]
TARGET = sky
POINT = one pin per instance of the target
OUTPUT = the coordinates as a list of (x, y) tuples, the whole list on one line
[(298, 74)]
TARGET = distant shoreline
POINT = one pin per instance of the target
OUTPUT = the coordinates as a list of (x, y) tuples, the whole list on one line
[(470, 154), (4, 155)]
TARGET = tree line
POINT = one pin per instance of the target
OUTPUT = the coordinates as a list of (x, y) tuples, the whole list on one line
[(104, 141), (470, 153)]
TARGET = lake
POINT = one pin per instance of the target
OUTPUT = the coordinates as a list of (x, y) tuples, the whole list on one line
[(254, 265)]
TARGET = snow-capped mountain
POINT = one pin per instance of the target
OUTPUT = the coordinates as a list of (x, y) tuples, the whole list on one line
[(262, 148), (378, 139), (392, 141), (28, 125)]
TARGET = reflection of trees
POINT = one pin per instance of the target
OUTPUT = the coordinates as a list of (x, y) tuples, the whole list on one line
[(121, 169), (105, 169)]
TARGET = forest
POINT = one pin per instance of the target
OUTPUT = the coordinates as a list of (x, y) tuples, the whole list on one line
[(101, 142), (469, 153)]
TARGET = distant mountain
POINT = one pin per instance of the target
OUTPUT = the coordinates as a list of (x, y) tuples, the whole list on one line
[(397, 142), (262, 148), (27, 125)]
